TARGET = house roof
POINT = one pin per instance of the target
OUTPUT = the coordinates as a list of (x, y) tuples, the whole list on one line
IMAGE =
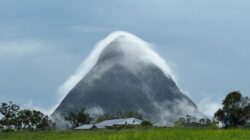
[(131, 121), (84, 127), (107, 123)]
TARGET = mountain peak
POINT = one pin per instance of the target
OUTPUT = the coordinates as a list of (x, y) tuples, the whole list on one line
[(123, 39), (125, 74), (123, 46)]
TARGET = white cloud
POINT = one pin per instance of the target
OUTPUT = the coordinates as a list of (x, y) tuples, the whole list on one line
[(208, 106), (21, 48)]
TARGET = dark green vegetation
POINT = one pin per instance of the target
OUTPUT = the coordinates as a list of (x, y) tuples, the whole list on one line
[(78, 118), (146, 123), (133, 134), (16, 119), (190, 122), (235, 111)]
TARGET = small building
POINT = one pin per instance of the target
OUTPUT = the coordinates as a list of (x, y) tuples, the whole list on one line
[(110, 123)]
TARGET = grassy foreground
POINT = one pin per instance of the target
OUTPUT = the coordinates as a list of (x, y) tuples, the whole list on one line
[(133, 134)]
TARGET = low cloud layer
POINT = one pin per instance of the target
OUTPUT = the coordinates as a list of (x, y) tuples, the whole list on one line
[(21, 48), (34, 106), (209, 106)]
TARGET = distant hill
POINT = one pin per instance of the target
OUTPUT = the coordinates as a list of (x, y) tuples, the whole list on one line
[(129, 76)]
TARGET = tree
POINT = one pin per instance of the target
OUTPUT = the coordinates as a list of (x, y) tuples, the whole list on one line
[(220, 115), (1, 126), (181, 122), (202, 121), (41, 121), (234, 109), (24, 120), (247, 112), (208, 121), (9, 112), (33, 120), (146, 123), (193, 122), (188, 118), (78, 118)]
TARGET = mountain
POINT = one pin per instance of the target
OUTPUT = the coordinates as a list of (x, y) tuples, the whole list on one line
[(127, 75)]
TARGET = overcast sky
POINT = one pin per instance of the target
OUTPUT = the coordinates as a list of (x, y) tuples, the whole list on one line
[(42, 42)]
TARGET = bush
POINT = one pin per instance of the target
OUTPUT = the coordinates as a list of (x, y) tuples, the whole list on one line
[(146, 123), (8, 130)]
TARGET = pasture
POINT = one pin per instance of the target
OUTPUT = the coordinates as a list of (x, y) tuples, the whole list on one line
[(133, 134)]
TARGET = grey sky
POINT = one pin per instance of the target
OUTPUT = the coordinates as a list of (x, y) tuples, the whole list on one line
[(42, 42)]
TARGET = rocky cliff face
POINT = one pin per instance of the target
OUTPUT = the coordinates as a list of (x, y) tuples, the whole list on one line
[(125, 79)]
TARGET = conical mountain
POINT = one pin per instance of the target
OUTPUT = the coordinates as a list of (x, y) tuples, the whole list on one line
[(128, 76)]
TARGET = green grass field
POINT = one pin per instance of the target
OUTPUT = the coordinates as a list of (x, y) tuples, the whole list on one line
[(133, 134)]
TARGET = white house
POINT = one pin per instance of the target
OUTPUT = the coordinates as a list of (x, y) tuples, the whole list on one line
[(110, 123)]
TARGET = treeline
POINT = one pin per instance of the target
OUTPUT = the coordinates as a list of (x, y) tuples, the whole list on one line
[(192, 122), (13, 118), (235, 112)]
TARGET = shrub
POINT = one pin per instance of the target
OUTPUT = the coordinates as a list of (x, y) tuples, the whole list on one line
[(146, 123)]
